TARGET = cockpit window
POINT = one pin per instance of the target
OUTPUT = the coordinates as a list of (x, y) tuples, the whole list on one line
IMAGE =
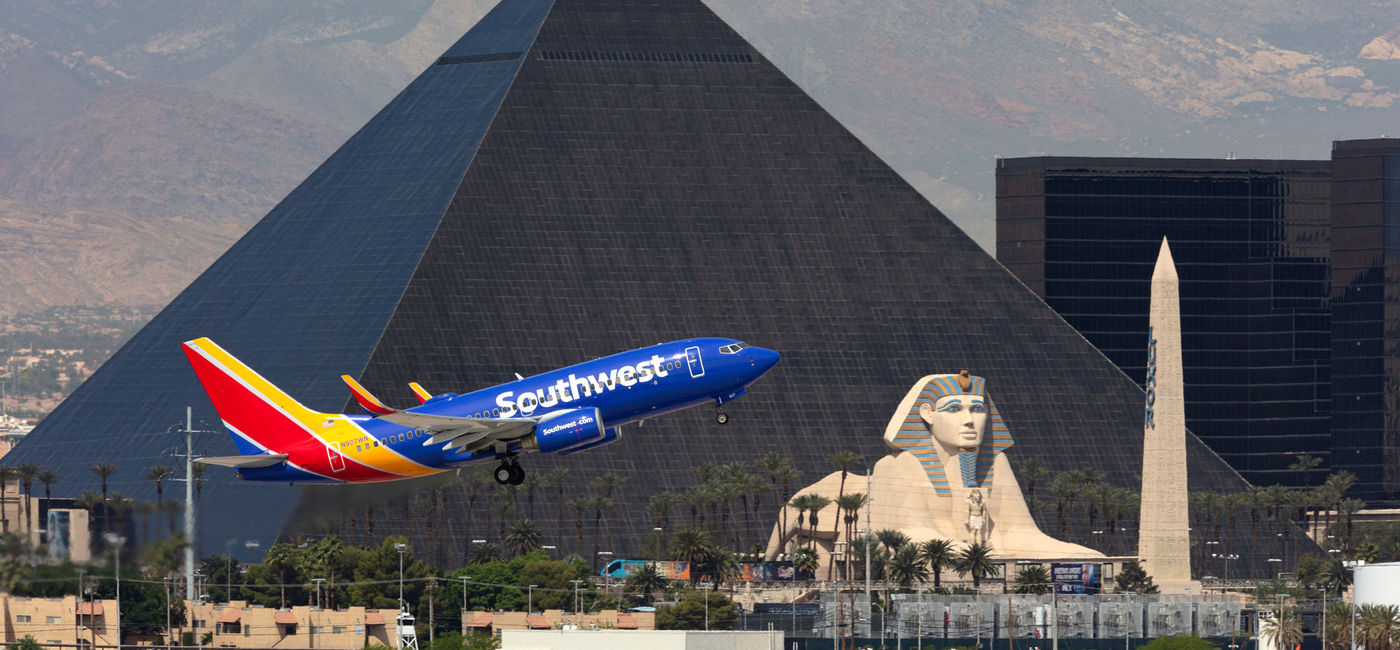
[(733, 348)]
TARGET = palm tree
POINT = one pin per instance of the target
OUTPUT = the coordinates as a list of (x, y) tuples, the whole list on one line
[(1033, 579), (906, 566), (533, 481), (48, 477), (197, 473), (1030, 471), (523, 537), (1305, 464), (157, 475), (579, 506), (103, 471), (1335, 576), (786, 476), (1346, 508), (812, 504), (1287, 628), (145, 509), (891, 539), (693, 546), (608, 483), (281, 558), (7, 474), (851, 505), (805, 562), (938, 553), (976, 560), (557, 477), (484, 553), (843, 459), (26, 473), (647, 581), (503, 507)]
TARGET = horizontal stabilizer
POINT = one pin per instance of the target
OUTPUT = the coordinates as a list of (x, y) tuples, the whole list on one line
[(257, 460)]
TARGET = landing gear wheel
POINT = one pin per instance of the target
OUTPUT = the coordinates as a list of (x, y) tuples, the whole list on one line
[(517, 473), (504, 473), (722, 417)]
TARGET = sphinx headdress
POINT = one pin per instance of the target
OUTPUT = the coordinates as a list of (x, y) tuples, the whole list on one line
[(907, 430)]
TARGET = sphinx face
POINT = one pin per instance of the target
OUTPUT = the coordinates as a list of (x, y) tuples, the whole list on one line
[(956, 421)]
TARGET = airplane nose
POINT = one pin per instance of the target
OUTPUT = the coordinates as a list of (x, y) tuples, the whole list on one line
[(764, 359)]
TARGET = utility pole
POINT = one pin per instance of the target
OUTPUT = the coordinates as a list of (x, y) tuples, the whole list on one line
[(867, 533), (189, 432)]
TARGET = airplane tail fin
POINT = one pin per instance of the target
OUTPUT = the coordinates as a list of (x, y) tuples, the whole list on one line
[(260, 417)]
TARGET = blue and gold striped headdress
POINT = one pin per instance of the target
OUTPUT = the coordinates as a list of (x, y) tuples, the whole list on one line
[(907, 430)]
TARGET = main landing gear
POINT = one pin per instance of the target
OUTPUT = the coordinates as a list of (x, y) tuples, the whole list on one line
[(509, 472)]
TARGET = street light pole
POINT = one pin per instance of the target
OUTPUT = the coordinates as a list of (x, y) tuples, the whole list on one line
[(529, 604), (116, 541), (401, 548)]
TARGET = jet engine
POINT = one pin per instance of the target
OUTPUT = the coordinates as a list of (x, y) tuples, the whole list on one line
[(609, 435), (568, 430)]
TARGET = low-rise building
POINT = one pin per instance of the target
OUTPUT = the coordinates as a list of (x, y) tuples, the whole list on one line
[(238, 625), (554, 619), (52, 621)]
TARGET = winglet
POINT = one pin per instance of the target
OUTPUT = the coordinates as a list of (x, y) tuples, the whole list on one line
[(366, 400), (423, 395)]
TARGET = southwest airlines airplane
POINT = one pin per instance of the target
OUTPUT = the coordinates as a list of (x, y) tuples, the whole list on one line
[(564, 411)]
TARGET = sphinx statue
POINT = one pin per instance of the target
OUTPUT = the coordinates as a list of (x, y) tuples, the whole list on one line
[(946, 477)]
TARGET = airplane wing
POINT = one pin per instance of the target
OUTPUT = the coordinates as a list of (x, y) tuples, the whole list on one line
[(258, 460), (468, 434)]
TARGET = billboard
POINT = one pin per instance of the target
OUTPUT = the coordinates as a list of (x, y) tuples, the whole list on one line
[(1076, 578)]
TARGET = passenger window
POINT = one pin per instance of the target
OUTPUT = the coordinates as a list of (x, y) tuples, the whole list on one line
[(401, 437), (495, 411)]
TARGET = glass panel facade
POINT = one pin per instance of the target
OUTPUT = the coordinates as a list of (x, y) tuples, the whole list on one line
[(1251, 244), (1366, 316)]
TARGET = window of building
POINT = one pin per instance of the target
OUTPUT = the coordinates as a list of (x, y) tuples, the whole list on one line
[(247, 630), (337, 629), (53, 619), (21, 618)]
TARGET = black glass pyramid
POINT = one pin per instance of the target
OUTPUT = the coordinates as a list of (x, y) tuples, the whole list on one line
[(572, 179)]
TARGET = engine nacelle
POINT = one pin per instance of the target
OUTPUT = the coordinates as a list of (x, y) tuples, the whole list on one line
[(568, 429), (610, 435)]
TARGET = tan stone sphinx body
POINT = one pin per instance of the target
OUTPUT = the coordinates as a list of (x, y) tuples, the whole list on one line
[(945, 423)]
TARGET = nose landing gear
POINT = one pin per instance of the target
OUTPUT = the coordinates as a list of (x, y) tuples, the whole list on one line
[(509, 472), (720, 416)]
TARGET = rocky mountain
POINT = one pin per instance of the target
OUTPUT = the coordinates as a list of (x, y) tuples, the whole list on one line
[(138, 138)]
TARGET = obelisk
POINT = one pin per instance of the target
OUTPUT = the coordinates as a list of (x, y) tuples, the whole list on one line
[(1164, 546)]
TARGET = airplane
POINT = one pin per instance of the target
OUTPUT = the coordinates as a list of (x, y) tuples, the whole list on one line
[(563, 411)]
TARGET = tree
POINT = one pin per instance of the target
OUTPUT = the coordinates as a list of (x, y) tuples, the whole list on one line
[(26, 473), (1033, 579), (786, 476), (905, 566), (812, 504), (551, 579), (693, 546), (484, 553), (608, 483), (1284, 627), (698, 610), (1030, 470), (805, 563), (523, 537), (157, 475), (938, 553), (103, 472), (557, 477), (891, 539), (843, 459), (976, 561), (850, 504), (27, 643), (1133, 578), (646, 581), (48, 477)]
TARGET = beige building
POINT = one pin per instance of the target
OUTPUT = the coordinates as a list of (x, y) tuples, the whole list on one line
[(63, 620), (237, 625), (554, 619)]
